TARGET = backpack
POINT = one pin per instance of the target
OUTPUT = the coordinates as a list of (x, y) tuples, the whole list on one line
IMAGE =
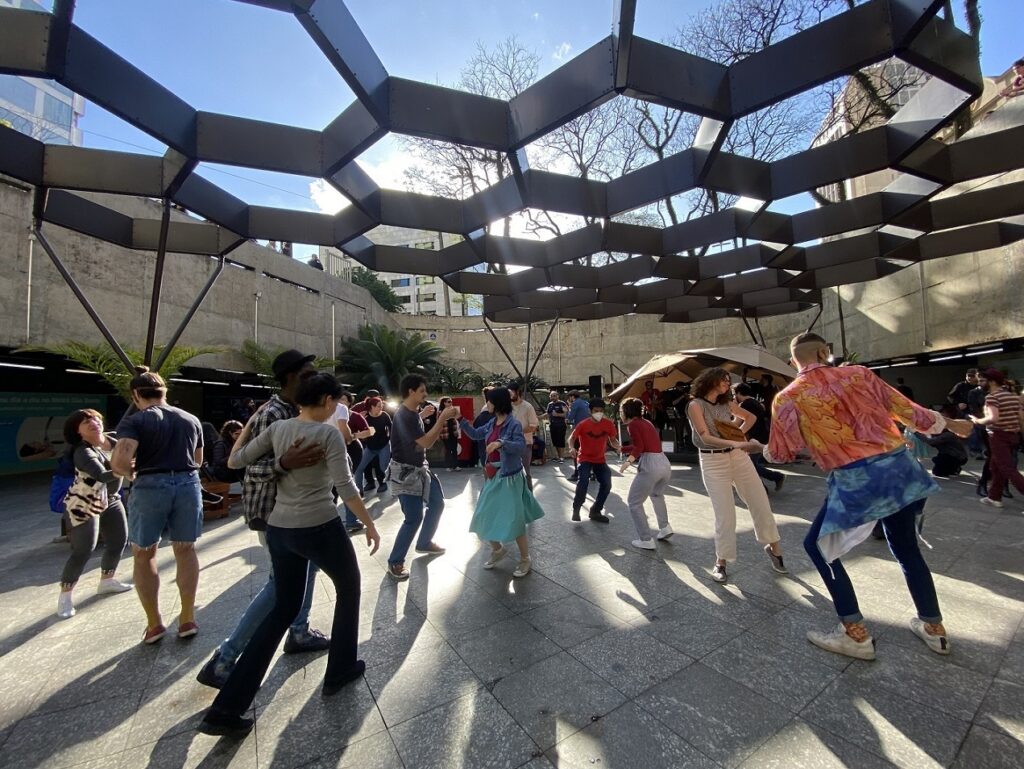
[(62, 479)]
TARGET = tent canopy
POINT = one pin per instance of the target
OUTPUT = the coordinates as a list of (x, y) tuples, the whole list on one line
[(684, 366)]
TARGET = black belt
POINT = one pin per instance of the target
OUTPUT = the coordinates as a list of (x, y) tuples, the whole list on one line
[(165, 472), (714, 451)]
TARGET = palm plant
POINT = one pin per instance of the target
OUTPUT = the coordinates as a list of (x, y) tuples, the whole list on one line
[(262, 358), (445, 377), (379, 357), (101, 360)]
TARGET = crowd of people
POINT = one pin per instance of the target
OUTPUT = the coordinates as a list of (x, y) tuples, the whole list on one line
[(310, 448)]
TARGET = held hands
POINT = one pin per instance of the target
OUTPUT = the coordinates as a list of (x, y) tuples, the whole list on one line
[(428, 411), (372, 538), (493, 446), (962, 428), (299, 455), (751, 446), (452, 412)]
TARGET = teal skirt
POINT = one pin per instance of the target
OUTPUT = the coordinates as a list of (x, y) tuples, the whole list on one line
[(505, 508)]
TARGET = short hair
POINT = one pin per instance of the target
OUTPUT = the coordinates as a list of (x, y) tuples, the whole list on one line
[(229, 427), (313, 388), (807, 338), (73, 422), (148, 384), (486, 392), (410, 383), (345, 394), (708, 379), (596, 403), (555, 393), (1019, 63), (972, 371), (632, 408), (516, 385), (372, 403), (500, 398), (744, 389)]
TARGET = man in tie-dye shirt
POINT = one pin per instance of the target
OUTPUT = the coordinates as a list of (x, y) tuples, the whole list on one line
[(845, 418)]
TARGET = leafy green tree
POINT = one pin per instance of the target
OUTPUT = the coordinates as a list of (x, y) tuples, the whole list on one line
[(382, 293), (450, 378), (379, 357), (262, 358), (101, 359)]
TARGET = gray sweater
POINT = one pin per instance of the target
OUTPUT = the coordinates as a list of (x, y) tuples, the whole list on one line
[(304, 493)]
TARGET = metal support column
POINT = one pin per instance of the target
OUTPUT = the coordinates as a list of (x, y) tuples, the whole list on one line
[(502, 348), (529, 342), (821, 308), (749, 329), (158, 281), (86, 304), (540, 352), (195, 305), (760, 333)]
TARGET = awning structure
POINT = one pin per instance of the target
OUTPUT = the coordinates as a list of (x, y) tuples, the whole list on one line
[(781, 269), (684, 366)]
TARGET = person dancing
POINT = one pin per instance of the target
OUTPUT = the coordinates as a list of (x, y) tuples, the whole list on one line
[(653, 471), (506, 505), (844, 416), (303, 526), (725, 463)]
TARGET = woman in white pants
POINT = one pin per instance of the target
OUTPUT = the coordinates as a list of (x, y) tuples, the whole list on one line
[(724, 463), (653, 472)]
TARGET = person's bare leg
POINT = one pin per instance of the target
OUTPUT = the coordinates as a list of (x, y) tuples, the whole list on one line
[(147, 584), (523, 543), (187, 578)]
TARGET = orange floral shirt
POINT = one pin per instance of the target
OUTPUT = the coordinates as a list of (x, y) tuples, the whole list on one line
[(842, 414)]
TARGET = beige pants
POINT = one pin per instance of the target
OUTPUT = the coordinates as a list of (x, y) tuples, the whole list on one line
[(721, 472)]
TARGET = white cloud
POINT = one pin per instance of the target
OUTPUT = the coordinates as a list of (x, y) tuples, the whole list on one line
[(562, 51), (536, 16), (389, 173), (327, 199)]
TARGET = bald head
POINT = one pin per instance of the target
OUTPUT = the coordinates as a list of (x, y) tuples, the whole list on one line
[(808, 349)]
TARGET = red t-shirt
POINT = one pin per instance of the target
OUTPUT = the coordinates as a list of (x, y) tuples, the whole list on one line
[(593, 437), (644, 438)]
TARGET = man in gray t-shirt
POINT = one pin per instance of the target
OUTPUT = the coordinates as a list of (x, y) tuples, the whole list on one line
[(411, 479)]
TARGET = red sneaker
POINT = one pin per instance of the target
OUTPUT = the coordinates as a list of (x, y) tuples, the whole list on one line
[(188, 630), (153, 634)]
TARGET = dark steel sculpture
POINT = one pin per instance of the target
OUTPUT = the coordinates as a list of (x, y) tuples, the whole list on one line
[(776, 273)]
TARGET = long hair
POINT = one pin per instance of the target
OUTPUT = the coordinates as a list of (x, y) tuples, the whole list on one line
[(707, 380), (229, 427)]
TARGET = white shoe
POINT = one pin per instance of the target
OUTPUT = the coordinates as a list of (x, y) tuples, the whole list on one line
[(496, 557), (839, 642), (665, 533), (111, 586), (523, 568), (644, 544), (65, 605), (937, 643), (990, 502)]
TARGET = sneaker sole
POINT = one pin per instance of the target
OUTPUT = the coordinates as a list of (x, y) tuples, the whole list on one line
[(866, 656), (398, 578), (215, 730), (664, 537)]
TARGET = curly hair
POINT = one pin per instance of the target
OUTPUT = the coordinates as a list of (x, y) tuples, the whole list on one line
[(707, 380)]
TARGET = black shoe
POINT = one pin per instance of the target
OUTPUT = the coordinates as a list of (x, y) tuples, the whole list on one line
[(599, 517), (574, 478), (210, 675), (382, 488), (333, 687), (779, 482), (576, 514), (222, 725), (310, 641)]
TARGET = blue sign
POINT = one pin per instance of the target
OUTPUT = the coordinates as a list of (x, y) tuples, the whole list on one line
[(32, 428)]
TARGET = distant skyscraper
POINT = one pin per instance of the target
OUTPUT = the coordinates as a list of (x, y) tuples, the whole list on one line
[(42, 109)]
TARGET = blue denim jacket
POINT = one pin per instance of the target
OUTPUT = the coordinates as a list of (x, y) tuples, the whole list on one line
[(513, 443)]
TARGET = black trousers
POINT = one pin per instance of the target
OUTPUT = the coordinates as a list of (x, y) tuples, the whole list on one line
[(291, 550), (944, 465)]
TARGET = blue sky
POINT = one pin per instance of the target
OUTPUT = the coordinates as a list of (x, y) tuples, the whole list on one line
[(230, 57)]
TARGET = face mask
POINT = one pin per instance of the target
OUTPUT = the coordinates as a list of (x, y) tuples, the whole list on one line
[(598, 416)]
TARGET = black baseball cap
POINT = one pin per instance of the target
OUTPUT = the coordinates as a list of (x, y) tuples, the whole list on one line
[(289, 361)]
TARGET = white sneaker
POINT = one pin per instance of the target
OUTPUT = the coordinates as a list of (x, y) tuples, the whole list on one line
[(65, 605), (523, 568), (990, 502), (496, 556), (644, 544), (111, 586), (839, 642), (665, 533), (937, 643)]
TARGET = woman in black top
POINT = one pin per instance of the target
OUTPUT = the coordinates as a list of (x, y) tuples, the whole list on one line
[(90, 449), (450, 434), (378, 445), (222, 450)]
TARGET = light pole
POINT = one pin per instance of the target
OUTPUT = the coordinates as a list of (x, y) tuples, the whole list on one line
[(256, 319)]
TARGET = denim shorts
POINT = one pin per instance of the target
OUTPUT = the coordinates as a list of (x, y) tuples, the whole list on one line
[(160, 501)]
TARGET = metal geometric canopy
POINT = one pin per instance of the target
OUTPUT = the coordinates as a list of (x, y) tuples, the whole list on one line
[(885, 231)]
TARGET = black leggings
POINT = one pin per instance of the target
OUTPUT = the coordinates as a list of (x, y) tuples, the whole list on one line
[(291, 550), (83, 538), (451, 452)]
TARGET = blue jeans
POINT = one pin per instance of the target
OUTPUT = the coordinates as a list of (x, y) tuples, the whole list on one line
[(260, 609), (901, 533), (412, 509), (165, 501), (976, 440), (604, 481), (292, 551), (368, 456), (762, 469)]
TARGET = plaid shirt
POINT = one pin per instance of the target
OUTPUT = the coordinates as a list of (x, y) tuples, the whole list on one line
[(259, 489)]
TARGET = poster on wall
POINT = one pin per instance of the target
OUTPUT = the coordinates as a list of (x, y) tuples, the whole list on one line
[(32, 428)]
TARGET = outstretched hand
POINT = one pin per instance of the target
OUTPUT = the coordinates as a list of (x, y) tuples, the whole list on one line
[(962, 428)]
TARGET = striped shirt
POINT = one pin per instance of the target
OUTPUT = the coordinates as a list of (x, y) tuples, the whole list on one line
[(1008, 406)]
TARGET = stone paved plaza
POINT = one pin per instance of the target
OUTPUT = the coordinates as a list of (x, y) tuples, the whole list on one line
[(605, 657)]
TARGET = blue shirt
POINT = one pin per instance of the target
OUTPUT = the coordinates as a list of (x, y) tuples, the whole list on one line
[(579, 410)]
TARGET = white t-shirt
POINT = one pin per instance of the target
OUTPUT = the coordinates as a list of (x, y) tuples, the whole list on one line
[(340, 415)]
